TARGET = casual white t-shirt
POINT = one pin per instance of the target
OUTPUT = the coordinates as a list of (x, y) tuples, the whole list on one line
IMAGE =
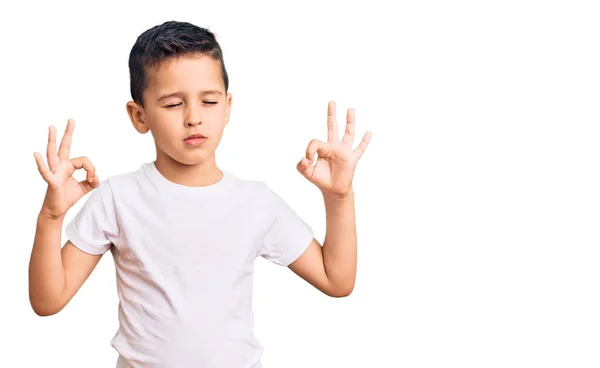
[(184, 259)]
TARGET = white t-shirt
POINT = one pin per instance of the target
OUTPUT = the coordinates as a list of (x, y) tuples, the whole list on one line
[(184, 259)]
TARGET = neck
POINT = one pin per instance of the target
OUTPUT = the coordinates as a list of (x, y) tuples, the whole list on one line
[(202, 174)]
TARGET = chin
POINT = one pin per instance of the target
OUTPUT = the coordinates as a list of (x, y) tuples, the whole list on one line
[(187, 157), (191, 160)]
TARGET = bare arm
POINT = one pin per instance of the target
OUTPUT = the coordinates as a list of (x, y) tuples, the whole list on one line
[(332, 268), (56, 274)]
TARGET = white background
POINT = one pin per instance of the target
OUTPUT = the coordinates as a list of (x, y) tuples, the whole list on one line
[(477, 200)]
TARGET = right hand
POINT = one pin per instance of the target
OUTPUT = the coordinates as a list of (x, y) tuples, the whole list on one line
[(63, 190)]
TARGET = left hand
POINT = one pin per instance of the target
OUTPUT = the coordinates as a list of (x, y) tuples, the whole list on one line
[(336, 161)]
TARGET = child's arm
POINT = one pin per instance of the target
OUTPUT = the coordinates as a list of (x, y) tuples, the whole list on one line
[(332, 268), (56, 274)]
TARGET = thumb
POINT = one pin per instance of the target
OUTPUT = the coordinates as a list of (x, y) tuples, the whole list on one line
[(304, 168), (88, 186)]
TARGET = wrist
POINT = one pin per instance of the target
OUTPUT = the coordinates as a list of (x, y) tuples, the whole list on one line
[(339, 196), (45, 217)]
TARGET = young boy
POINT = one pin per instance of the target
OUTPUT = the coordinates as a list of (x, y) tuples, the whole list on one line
[(183, 233)]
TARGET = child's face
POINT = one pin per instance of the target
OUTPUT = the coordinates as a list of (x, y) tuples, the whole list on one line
[(186, 96)]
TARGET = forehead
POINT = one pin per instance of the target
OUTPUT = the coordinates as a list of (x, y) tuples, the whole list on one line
[(185, 73)]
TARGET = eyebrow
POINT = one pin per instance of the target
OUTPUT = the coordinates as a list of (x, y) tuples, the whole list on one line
[(206, 92)]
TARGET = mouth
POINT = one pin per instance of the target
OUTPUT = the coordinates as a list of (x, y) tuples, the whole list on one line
[(195, 139)]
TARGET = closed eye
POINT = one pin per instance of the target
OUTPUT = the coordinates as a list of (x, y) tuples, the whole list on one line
[(179, 104)]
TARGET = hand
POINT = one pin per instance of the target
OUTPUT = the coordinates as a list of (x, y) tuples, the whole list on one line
[(63, 190), (336, 162)]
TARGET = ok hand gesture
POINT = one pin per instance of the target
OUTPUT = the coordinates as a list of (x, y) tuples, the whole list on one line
[(336, 161), (63, 190)]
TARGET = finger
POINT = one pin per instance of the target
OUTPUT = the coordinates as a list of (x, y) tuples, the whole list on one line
[(65, 144), (86, 164), (358, 151), (43, 169), (303, 165), (88, 186), (95, 181), (51, 155), (332, 129), (305, 169), (348, 138), (316, 146)]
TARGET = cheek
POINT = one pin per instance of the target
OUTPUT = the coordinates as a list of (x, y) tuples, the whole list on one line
[(213, 119), (164, 129)]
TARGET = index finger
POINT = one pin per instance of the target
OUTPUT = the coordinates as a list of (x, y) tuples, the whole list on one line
[(65, 144)]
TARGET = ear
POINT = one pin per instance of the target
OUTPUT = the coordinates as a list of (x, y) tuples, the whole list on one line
[(228, 108), (136, 115)]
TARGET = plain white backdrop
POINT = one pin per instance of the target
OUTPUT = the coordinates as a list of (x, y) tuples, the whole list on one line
[(477, 201)]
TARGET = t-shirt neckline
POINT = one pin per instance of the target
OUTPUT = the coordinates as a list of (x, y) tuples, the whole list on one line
[(193, 191)]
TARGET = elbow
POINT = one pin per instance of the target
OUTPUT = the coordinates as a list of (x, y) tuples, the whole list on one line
[(44, 309), (341, 291)]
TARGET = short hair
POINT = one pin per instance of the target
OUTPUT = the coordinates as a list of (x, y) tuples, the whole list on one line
[(167, 40)]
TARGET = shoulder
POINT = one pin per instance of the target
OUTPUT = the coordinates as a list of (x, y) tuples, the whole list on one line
[(256, 195), (255, 188), (127, 181)]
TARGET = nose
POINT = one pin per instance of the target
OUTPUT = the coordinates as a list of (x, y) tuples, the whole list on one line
[(193, 117), (190, 123)]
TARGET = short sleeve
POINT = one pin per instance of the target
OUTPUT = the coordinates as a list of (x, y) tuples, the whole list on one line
[(95, 227), (288, 236)]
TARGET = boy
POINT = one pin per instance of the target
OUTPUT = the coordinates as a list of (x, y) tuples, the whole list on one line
[(183, 233)]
